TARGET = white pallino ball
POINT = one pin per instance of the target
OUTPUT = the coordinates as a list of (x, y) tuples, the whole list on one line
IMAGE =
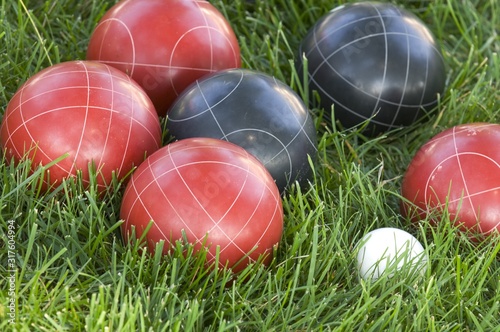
[(389, 249)]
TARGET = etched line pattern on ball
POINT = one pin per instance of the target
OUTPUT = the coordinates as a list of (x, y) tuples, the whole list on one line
[(325, 62), (226, 135), (170, 65), (301, 124), (210, 108), (386, 57), (181, 215), (129, 105), (265, 132), (176, 67), (12, 131), (84, 126), (138, 193), (464, 180), (108, 129), (216, 222), (407, 72), (468, 194), (209, 38), (200, 205), (385, 34), (108, 23)]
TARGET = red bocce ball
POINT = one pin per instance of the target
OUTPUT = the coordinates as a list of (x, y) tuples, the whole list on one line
[(457, 170), (217, 194), (86, 112), (164, 45)]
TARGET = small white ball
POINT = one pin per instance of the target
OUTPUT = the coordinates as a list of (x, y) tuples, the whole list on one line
[(389, 249)]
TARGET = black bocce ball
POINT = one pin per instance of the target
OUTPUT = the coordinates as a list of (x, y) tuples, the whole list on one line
[(373, 61), (255, 111)]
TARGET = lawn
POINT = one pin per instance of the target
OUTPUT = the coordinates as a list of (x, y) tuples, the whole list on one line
[(73, 272)]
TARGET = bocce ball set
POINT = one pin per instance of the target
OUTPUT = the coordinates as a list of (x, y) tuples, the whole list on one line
[(242, 137)]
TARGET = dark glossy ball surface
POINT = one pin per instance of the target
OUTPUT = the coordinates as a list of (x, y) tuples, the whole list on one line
[(457, 171), (373, 61), (212, 194), (254, 111)]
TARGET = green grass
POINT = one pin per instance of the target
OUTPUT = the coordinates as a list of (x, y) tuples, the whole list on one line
[(75, 274)]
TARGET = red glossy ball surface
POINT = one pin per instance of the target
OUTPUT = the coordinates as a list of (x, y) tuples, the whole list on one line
[(87, 112), (457, 170), (211, 190), (164, 45)]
